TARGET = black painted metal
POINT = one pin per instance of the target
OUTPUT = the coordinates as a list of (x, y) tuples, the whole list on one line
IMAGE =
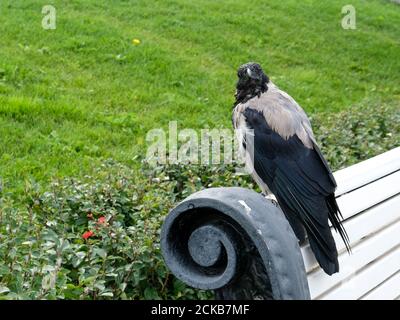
[(236, 242)]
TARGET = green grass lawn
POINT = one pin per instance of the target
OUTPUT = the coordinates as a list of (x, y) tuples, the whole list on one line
[(74, 96)]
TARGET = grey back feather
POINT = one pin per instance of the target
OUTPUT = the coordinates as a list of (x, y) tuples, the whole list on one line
[(282, 114)]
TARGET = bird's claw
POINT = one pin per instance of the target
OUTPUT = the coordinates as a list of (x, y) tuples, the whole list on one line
[(274, 202), (271, 198)]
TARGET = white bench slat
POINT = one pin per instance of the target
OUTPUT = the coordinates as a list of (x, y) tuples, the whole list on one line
[(369, 195), (389, 290), (367, 171), (363, 253), (360, 226), (362, 282)]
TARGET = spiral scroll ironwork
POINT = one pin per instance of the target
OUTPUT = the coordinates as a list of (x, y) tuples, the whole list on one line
[(235, 242)]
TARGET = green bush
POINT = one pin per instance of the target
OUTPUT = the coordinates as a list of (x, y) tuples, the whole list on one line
[(348, 137), (45, 256), (43, 252)]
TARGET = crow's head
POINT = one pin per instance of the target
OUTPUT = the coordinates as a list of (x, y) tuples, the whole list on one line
[(251, 73), (252, 82)]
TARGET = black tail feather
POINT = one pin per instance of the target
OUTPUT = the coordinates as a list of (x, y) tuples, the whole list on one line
[(335, 217), (322, 243), (328, 263)]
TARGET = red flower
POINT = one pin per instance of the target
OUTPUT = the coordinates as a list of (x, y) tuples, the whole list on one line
[(101, 220), (87, 234)]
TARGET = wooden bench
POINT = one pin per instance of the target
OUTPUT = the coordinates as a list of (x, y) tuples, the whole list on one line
[(368, 195), (236, 242)]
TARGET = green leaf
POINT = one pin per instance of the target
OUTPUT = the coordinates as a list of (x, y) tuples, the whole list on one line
[(151, 294), (179, 286), (4, 289), (88, 280), (99, 285), (100, 252), (107, 294)]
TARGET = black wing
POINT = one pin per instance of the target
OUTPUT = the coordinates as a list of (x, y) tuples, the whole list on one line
[(304, 186)]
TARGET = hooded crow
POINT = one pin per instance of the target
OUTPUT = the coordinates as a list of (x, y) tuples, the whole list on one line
[(287, 163)]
